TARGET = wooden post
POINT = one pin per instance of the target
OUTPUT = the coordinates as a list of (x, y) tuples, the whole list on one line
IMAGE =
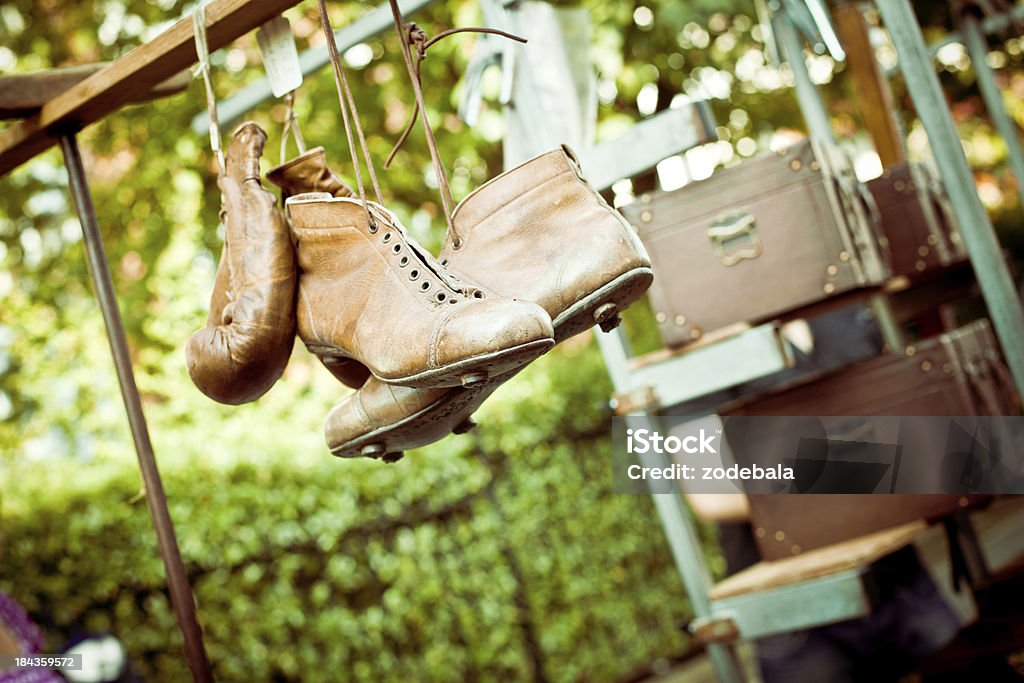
[(131, 76), (24, 94), (874, 100)]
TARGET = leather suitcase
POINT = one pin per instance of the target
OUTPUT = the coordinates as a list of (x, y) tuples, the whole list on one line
[(956, 374), (916, 219), (769, 236), (789, 525)]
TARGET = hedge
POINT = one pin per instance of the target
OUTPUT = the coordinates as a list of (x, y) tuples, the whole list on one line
[(497, 555)]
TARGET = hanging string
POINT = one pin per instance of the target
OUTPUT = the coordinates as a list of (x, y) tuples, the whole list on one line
[(202, 68), (291, 128), (416, 38), (350, 117), (435, 157)]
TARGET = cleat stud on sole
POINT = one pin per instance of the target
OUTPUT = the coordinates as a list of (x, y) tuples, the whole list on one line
[(473, 379), (373, 450), (611, 323), (464, 426), (393, 457), (605, 312)]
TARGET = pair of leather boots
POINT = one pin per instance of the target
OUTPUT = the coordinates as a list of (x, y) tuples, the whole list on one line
[(538, 257)]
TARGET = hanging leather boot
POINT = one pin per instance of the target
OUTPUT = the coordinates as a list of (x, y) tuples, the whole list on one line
[(250, 328), (382, 420), (368, 292), (574, 255), (539, 231), (309, 172)]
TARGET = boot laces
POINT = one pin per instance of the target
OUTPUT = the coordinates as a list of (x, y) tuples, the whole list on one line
[(384, 215), (415, 40)]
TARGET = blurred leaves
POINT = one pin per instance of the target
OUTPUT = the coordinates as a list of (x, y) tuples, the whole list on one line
[(455, 564), (482, 557)]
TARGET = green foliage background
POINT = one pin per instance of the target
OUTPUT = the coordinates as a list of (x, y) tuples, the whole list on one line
[(498, 555)]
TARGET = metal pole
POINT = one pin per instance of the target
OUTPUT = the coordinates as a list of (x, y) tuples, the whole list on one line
[(978, 49), (979, 237), (685, 546), (811, 105), (683, 541), (177, 582), (815, 114), (991, 24)]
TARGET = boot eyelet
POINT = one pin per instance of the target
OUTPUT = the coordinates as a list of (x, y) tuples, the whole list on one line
[(453, 300), (477, 294), (372, 227), (396, 249), (386, 238), (414, 274), (425, 286), (456, 243), (403, 262), (441, 297)]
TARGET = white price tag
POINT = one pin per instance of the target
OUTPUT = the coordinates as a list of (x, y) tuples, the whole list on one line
[(280, 58)]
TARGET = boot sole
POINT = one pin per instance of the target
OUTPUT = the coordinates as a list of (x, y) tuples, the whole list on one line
[(456, 407), (603, 306), (478, 370), (468, 373), (426, 426)]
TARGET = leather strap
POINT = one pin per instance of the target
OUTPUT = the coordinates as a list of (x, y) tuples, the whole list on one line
[(202, 68), (350, 117), (291, 128), (414, 39)]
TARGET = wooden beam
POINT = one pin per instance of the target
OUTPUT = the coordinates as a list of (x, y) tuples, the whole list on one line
[(131, 76), (874, 100), (24, 94)]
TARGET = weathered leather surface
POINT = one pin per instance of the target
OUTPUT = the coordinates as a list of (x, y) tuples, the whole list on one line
[(250, 328), (537, 232), (541, 233), (308, 172), (380, 299)]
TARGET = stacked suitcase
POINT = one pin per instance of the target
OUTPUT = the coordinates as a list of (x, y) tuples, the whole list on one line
[(959, 373), (753, 242), (786, 235)]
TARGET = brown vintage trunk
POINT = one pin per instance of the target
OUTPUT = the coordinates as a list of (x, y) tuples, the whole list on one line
[(769, 236), (916, 219), (956, 374)]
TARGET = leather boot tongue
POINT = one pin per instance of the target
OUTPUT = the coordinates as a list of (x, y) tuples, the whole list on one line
[(425, 258), (308, 172)]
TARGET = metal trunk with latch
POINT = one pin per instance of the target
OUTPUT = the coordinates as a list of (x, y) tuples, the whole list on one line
[(769, 236)]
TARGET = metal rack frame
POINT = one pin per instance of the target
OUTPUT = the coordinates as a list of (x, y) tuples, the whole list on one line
[(642, 390), (762, 348), (58, 122)]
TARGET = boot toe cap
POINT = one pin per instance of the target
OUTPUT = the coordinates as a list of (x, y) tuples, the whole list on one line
[(376, 413), (491, 327)]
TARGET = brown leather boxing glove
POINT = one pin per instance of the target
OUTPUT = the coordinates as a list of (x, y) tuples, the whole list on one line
[(250, 329)]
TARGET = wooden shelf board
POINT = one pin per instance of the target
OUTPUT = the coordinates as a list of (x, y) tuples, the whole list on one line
[(131, 77)]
